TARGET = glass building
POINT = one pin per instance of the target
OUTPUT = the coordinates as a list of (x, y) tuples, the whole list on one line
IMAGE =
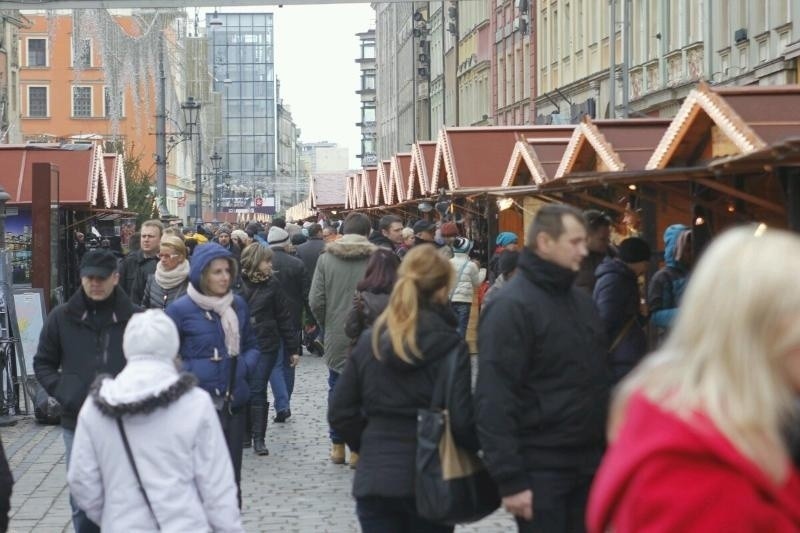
[(242, 63)]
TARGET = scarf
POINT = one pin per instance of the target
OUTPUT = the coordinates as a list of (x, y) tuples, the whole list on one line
[(222, 306), (169, 279)]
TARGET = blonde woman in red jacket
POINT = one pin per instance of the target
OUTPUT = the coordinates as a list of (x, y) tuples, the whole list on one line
[(698, 431)]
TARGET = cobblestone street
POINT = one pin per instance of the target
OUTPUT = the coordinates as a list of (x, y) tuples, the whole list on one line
[(295, 488)]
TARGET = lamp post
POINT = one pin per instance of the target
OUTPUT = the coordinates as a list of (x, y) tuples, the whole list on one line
[(191, 115), (216, 161)]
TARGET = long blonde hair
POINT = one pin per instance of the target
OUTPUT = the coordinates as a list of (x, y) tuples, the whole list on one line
[(422, 273), (725, 357)]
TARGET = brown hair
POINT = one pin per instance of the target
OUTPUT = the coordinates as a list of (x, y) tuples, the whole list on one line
[(252, 256), (422, 273)]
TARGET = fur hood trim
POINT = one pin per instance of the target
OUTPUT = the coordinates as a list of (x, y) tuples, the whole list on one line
[(147, 405), (351, 246)]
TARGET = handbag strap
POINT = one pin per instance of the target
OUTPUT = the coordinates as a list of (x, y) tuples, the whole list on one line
[(445, 378), (622, 333), (129, 453)]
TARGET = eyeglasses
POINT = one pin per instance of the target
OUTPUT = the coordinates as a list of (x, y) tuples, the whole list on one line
[(167, 256)]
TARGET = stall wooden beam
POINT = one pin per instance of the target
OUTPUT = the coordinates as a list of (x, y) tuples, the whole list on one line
[(736, 193)]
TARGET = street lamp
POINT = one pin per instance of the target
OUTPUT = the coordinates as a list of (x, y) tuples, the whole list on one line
[(216, 161), (191, 115)]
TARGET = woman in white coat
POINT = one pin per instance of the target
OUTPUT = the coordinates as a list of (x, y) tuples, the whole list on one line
[(174, 437), (469, 277)]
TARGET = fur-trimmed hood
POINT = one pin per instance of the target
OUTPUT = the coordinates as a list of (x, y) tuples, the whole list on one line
[(351, 246), (141, 388)]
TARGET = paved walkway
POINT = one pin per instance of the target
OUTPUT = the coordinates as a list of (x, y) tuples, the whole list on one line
[(294, 489)]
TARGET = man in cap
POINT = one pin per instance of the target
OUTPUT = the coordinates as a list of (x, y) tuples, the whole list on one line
[(81, 339)]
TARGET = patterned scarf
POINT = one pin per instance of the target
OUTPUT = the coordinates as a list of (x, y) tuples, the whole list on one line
[(221, 305)]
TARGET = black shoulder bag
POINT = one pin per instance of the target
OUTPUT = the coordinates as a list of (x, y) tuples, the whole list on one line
[(452, 485), (129, 453)]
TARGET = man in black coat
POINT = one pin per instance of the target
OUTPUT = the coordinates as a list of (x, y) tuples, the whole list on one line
[(81, 339), (543, 383), (389, 233), (309, 251), (138, 265)]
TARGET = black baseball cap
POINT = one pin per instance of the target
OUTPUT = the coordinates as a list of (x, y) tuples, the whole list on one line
[(100, 263), (423, 225)]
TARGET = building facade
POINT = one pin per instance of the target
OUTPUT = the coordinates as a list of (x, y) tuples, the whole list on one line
[(290, 182), (513, 71), (366, 91), (324, 157), (241, 61)]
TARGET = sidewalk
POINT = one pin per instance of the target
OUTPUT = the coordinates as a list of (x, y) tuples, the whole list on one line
[(294, 489)]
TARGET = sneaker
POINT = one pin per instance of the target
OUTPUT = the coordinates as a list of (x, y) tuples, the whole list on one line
[(281, 416)]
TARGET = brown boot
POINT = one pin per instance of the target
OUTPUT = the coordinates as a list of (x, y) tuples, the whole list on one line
[(337, 454), (353, 459)]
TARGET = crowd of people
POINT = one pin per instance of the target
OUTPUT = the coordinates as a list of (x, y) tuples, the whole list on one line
[(610, 394)]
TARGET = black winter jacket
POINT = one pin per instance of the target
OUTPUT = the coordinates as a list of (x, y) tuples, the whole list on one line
[(308, 252), (157, 297), (79, 341), (269, 315), (616, 294), (6, 482), (543, 382), (133, 274), (291, 273), (375, 403)]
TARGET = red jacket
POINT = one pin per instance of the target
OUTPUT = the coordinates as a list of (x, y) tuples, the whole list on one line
[(664, 475)]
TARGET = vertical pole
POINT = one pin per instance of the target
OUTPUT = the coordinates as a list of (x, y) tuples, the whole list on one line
[(161, 133), (626, 54), (41, 218), (612, 59), (199, 173)]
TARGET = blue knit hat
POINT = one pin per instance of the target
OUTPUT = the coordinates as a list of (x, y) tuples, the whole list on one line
[(506, 238)]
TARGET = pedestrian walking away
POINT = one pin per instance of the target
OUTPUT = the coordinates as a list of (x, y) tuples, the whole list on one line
[(372, 293), (81, 339), (338, 272), (117, 474), (218, 345), (676, 427), (389, 376), (272, 324), (469, 277), (543, 383)]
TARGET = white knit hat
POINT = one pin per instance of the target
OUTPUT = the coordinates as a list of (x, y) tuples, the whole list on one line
[(277, 236), (151, 335)]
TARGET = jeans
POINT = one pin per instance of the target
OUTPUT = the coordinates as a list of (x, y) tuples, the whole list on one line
[(233, 429), (257, 380), (80, 522), (559, 501), (462, 309), (333, 377), (377, 514), (282, 380)]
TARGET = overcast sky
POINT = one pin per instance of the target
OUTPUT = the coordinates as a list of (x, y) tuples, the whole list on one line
[(315, 52)]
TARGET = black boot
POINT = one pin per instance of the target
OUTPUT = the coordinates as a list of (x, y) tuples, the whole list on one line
[(258, 416)]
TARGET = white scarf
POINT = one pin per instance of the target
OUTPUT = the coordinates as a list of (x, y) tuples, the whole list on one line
[(169, 279), (222, 306)]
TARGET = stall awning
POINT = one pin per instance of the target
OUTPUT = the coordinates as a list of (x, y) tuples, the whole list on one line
[(422, 158), (398, 176)]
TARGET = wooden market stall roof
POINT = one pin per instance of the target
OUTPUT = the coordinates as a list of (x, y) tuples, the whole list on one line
[(541, 153), (422, 158), (717, 122), (369, 182), (114, 174), (349, 195), (611, 145), (476, 157), (328, 190), (381, 196), (81, 169), (398, 176)]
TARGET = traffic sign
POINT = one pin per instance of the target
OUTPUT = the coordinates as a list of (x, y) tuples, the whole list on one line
[(259, 201)]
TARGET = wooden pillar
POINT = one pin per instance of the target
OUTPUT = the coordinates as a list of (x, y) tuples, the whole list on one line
[(791, 182), (44, 176)]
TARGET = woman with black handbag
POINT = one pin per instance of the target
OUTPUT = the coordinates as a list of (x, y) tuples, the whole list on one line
[(390, 376)]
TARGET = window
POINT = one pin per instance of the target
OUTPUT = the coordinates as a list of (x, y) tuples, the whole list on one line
[(37, 102), (37, 52), (367, 50), (81, 101), (82, 54), (367, 115), (113, 107), (368, 81)]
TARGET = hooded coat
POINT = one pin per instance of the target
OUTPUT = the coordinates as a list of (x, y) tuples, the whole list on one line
[(616, 294), (667, 286), (338, 272), (201, 335), (664, 474), (375, 403), (80, 340), (178, 446)]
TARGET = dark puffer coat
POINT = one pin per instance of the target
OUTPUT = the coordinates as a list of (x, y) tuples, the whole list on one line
[(294, 280), (269, 315), (616, 295), (375, 404), (201, 334), (157, 297)]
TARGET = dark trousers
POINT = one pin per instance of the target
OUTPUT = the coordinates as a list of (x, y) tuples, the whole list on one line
[(559, 501), (462, 310), (333, 377), (233, 428), (394, 515), (281, 380), (257, 380)]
